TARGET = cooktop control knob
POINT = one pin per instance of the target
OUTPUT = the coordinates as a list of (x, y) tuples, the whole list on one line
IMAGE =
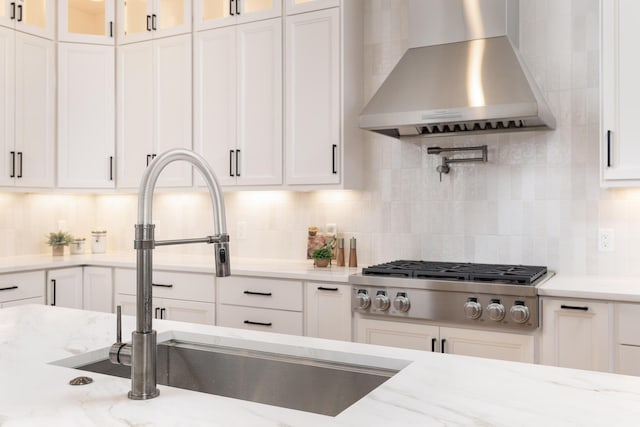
[(472, 309), (519, 312), (496, 310), (381, 301), (363, 299), (402, 303)]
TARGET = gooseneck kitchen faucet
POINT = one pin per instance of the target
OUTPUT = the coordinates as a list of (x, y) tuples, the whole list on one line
[(140, 353)]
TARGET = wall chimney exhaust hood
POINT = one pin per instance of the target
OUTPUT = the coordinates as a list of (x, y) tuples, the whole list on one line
[(462, 74)]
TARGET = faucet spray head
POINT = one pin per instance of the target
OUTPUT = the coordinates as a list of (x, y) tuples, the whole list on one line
[(221, 252)]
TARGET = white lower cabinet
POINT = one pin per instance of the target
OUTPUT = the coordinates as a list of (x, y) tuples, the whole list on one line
[(22, 288), (64, 287), (98, 289), (273, 305), (627, 339), (328, 310), (171, 309), (575, 334), (468, 342), (187, 297)]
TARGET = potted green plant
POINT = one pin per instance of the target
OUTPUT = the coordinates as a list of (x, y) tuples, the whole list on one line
[(58, 240), (322, 256)]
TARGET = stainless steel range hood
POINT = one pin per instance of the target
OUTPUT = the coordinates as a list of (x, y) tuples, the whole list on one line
[(470, 85)]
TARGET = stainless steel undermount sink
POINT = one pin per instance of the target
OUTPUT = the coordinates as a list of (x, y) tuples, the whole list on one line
[(321, 385)]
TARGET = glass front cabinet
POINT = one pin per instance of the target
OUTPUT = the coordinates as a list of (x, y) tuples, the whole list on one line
[(220, 13), (151, 19), (86, 21), (29, 16)]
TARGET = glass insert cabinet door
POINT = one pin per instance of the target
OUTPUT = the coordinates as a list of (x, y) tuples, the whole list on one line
[(86, 20), (219, 13), (30, 16), (146, 19), (300, 6)]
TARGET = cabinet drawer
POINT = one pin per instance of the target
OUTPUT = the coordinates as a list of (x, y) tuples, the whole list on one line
[(284, 322), (628, 362), (627, 319), (170, 284), (263, 293), (17, 286)]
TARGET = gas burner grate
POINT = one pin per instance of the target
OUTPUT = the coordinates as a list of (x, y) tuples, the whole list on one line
[(495, 273)]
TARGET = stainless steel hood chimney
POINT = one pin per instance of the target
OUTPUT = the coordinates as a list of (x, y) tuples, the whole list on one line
[(461, 75)]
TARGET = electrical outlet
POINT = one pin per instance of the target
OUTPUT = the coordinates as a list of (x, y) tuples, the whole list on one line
[(242, 230), (605, 239)]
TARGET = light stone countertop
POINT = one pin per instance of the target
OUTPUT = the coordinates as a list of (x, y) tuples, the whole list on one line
[(592, 287), (433, 390), (277, 268)]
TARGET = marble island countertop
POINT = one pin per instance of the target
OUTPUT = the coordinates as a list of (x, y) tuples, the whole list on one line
[(433, 390)]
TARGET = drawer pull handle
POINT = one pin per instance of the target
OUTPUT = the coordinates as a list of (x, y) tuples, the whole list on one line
[(442, 341), (433, 345), (322, 288), (249, 322), (156, 312), (162, 285), (573, 307), (264, 294), (8, 288)]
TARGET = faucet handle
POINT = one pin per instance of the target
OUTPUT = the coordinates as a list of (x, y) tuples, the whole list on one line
[(119, 324), (120, 353)]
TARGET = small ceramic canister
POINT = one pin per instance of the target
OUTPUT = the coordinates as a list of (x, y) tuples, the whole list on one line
[(98, 242)]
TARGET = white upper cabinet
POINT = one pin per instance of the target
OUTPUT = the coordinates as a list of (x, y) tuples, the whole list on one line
[(86, 21), (27, 128), (209, 14), (300, 6), (323, 87), (313, 97), (30, 16), (238, 102), (140, 20), (620, 90), (86, 116), (154, 108)]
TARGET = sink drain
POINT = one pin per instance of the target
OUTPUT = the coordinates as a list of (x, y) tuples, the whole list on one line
[(81, 381)]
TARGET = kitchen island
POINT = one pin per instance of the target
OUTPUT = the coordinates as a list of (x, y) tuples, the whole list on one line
[(433, 389)]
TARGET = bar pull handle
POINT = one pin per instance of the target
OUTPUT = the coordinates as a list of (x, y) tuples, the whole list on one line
[(8, 288), (13, 10), (162, 285), (148, 22), (157, 309), (110, 168), (13, 164), (19, 13), (237, 7), (19, 164), (53, 291), (573, 307), (231, 8), (154, 18), (111, 29), (249, 322), (231, 162), (148, 159), (334, 149), (264, 294), (323, 288), (442, 341), (162, 313), (237, 162), (609, 148), (433, 345)]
